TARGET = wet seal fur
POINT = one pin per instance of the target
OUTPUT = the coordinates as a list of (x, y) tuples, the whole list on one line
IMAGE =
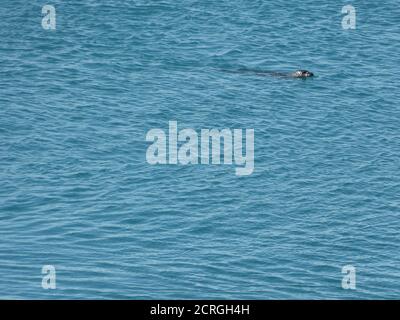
[(302, 74)]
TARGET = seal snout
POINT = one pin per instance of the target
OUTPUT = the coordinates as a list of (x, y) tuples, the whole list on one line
[(303, 74)]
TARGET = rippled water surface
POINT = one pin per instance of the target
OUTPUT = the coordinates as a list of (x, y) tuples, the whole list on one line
[(76, 191)]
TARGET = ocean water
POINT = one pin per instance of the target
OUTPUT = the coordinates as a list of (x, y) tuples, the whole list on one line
[(77, 193)]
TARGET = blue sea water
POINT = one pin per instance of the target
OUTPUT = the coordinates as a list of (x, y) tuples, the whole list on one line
[(76, 191)]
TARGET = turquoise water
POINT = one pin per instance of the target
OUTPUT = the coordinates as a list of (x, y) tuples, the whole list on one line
[(76, 190)]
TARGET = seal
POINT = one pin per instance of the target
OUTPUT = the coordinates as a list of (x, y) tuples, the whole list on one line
[(302, 74)]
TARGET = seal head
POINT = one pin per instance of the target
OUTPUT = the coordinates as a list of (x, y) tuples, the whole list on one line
[(302, 74)]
